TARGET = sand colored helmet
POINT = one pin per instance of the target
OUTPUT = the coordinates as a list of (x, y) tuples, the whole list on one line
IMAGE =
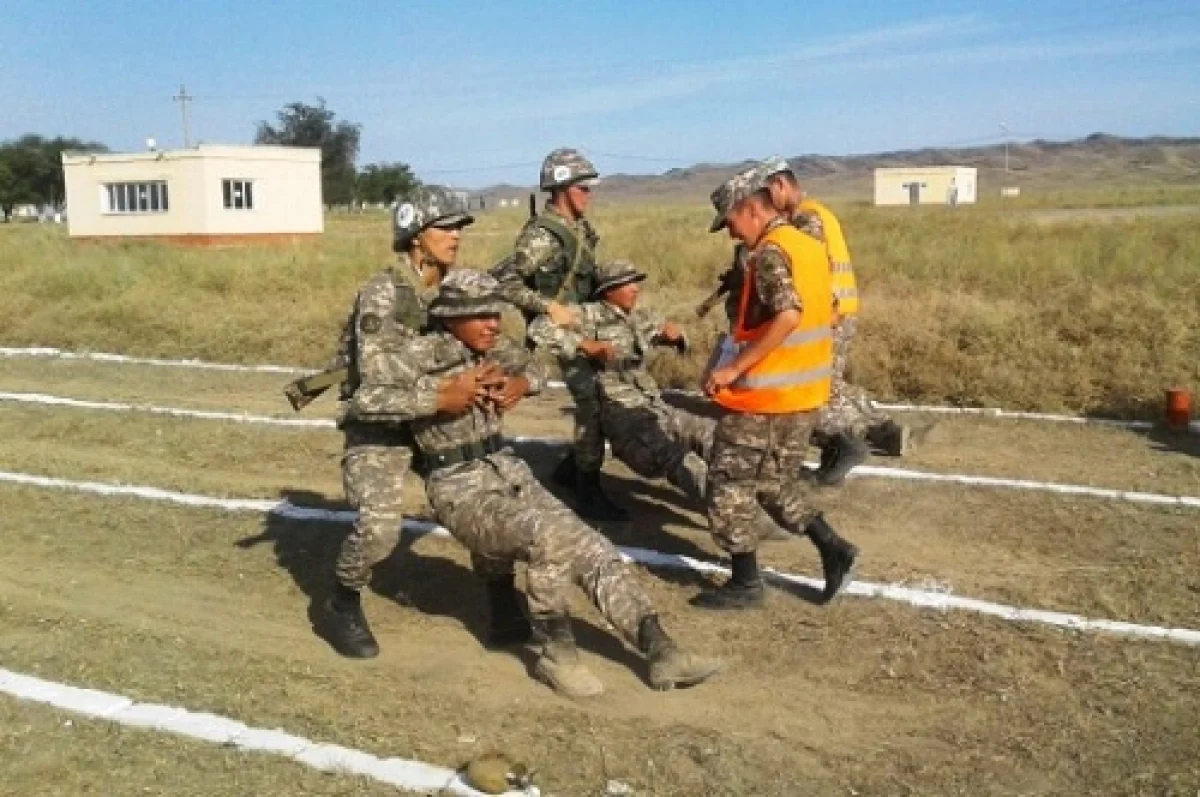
[(465, 292), (564, 167), (428, 206)]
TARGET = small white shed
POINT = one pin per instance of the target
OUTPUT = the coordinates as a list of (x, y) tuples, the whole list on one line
[(205, 195), (926, 185)]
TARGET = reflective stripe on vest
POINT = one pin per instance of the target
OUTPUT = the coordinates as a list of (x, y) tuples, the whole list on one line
[(845, 288), (795, 376)]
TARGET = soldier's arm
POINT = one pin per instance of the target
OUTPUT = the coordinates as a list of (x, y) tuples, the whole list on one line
[(535, 248), (400, 389), (563, 341)]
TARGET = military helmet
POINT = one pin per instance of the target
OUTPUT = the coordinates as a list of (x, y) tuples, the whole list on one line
[(615, 274), (729, 193), (467, 292), (564, 167), (775, 165), (427, 206)]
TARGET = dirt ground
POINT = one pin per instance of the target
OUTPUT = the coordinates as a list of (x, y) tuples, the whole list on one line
[(213, 611)]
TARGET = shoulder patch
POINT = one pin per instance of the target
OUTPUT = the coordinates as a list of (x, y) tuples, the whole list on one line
[(369, 323)]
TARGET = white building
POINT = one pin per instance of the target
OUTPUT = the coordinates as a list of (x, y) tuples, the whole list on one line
[(926, 185), (204, 195)]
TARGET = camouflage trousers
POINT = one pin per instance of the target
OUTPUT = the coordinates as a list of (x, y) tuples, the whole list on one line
[(374, 463), (755, 467), (502, 514), (849, 410), (661, 441), (588, 438)]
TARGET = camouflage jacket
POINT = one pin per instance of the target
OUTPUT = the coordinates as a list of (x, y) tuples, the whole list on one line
[(773, 290), (532, 276), (425, 361), (626, 381), (390, 309)]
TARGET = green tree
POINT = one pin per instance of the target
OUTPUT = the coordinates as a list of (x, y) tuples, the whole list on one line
[(383, 182), (31, 170), (302, 125)]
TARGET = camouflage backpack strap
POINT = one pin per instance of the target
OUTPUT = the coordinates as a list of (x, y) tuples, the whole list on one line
[(571, 240)]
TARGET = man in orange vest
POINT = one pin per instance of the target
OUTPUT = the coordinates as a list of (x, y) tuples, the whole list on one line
[(771, 377), (850, 417)]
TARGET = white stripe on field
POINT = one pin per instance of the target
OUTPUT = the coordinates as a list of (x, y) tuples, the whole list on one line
[(399, 772), (208, 415), (878, 471), (47, 351), (894, 592)]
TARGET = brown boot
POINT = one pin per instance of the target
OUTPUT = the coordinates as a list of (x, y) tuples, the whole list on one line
[(559, 665), (669, 665)]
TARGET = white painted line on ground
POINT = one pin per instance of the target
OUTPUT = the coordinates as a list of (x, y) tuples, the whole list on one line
[(994, 412), (177, 412), (878, 471), (894, 592), (399, 772)]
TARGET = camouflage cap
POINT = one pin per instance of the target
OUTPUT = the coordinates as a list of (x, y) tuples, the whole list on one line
[(564, 167), (615, 274), (428, 206), (775, 165), (737, 188), (467, 292)]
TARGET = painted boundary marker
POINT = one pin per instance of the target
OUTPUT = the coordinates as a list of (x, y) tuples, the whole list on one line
[(989, 412), (894, 592), (205, 727), (878, 471)]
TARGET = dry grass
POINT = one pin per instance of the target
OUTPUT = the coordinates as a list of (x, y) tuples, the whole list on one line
[(976, 306)]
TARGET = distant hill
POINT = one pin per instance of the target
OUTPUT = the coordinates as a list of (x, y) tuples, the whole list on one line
[(1090, 162)]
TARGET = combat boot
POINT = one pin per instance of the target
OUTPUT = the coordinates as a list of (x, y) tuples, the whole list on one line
[(840, 455), (890, 437), (507, 624), (669, 666), (348, 630), (564, 474), (559, 665), (591, 502), (837, 556), (743, 590)]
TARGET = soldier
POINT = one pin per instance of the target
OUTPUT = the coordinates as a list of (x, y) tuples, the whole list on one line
[(389, 309), (653, 438), (553, 264), (850, 418), (460, 381), (771, 378)]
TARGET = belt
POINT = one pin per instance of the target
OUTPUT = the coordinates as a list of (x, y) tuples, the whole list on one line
[(620, 366), (456, 455)]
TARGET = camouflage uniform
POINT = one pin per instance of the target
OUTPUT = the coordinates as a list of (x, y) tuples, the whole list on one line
[(756, 458), (653, 438), (489, 499)]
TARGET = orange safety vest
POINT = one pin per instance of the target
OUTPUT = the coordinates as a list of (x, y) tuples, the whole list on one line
[(795, 377), (845, 288)]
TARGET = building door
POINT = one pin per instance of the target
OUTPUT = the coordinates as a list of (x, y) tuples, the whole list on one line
[(914, 193)]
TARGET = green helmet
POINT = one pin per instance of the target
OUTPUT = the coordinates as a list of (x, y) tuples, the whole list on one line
[(564, 167), (428, 206)]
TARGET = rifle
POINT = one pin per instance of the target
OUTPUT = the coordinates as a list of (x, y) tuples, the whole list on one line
[(302, 391), (723, 287)]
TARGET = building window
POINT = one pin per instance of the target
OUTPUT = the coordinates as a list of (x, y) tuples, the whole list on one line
[(135, 197), (238, 194)]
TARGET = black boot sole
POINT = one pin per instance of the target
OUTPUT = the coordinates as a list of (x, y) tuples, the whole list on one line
[(835, 583)]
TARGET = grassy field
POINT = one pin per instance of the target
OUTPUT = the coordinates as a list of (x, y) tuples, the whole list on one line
[(981, 305)]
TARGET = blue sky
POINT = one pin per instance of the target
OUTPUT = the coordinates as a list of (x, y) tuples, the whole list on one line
[(476, 93)]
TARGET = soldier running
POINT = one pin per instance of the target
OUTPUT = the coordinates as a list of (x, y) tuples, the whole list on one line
[(457, 384), (772, 377)]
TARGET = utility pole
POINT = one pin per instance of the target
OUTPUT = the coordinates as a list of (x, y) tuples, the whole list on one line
[(1004, 132), (183, 98)]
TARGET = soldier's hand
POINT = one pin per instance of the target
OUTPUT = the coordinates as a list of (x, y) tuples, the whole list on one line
[(457, 394), (670, 332), (507, 395), (597, 350), (488, 375), (719, 378), (562, 315)]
